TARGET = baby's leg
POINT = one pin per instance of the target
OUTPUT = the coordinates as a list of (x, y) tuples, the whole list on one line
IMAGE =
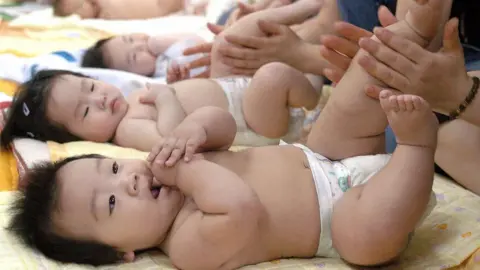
[(274, 89), (371, 223), (352, 124), (247, 26)]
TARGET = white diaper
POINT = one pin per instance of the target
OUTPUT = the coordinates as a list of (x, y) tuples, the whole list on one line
[(333, 178), (234, 88)]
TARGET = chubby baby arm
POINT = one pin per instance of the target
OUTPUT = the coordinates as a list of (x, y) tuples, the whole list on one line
[(205, 129), (227, 220)]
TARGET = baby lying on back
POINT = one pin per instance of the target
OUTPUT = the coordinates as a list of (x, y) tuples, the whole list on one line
[(141, 54), (64, 106)]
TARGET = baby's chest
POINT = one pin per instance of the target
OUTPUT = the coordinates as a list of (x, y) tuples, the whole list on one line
[(142, 111)]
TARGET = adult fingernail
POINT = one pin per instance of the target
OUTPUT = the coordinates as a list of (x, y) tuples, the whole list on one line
[(378, 30)]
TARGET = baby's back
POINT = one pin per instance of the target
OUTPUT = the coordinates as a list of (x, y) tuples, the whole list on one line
[(283, 182)]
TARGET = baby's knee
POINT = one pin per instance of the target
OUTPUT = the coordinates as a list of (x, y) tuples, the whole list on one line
[(277, 72), (375, 253)]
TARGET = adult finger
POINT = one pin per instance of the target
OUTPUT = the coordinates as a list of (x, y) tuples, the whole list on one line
[(215, 28), (243, 64), (386, 17), (350, 31), (333, 75), (201, 62), (228, 50), (451, 37), (388, 56), (383, 73), (270, 28), (342, 45), (248, 41), (374, 91), (205, 74), (201, 48), (243, 71), (407, 48), (334, 58), (245, 8)]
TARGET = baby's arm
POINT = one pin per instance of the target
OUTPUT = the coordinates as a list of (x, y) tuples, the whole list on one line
[(170, 112), (206, 129), (227, 220)]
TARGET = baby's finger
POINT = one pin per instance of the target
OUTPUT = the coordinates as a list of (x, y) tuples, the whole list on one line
[(184, 72), (147, 98), (168, 147), (154, 152), (176, 153), (190, 149)]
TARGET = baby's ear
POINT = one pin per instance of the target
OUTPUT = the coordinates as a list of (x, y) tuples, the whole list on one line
[(129, 256)]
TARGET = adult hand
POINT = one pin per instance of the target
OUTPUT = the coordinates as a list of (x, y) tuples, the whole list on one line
[(241, 11), (340, 49), (246, 53), (440, 78), (204, 48)]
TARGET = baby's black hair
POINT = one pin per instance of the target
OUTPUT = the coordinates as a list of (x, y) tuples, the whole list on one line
[(93, 57), (32, 220), (27, 115)]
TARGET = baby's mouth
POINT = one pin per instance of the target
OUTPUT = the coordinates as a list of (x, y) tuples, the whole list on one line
[(155, 191)]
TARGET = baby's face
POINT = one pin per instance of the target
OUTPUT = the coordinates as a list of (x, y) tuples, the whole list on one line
[(130, 53), (87, 108), (114, 202)]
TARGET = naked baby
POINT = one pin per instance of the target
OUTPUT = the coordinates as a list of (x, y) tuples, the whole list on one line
[(64, 106), (338, 196)]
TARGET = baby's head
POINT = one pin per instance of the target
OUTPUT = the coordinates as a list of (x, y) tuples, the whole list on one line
[(64, 106), (127, 52), (93, 210)]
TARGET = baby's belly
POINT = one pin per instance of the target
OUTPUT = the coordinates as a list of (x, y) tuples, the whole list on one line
[(197, 93), (281, 178)]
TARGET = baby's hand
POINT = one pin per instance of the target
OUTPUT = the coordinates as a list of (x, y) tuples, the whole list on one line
[(185, 140), (177, 72), (155, 93)]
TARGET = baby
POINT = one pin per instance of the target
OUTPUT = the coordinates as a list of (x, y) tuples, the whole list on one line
[(224, 210), (140, 53), (116, 9), (95, 111)]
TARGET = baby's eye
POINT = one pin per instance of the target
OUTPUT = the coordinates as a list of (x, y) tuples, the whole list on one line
[(111, 203), (115, 168), (134, 57), (93, 87), (86, 112)]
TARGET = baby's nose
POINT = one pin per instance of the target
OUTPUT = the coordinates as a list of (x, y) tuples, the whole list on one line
[(133, 185)]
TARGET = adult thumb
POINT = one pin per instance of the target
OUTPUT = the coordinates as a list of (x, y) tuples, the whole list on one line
[(451, 37), (270, 28), (386, 17)]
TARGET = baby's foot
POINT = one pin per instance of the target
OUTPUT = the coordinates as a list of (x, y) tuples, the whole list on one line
[(411, 119), (421, 22)]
